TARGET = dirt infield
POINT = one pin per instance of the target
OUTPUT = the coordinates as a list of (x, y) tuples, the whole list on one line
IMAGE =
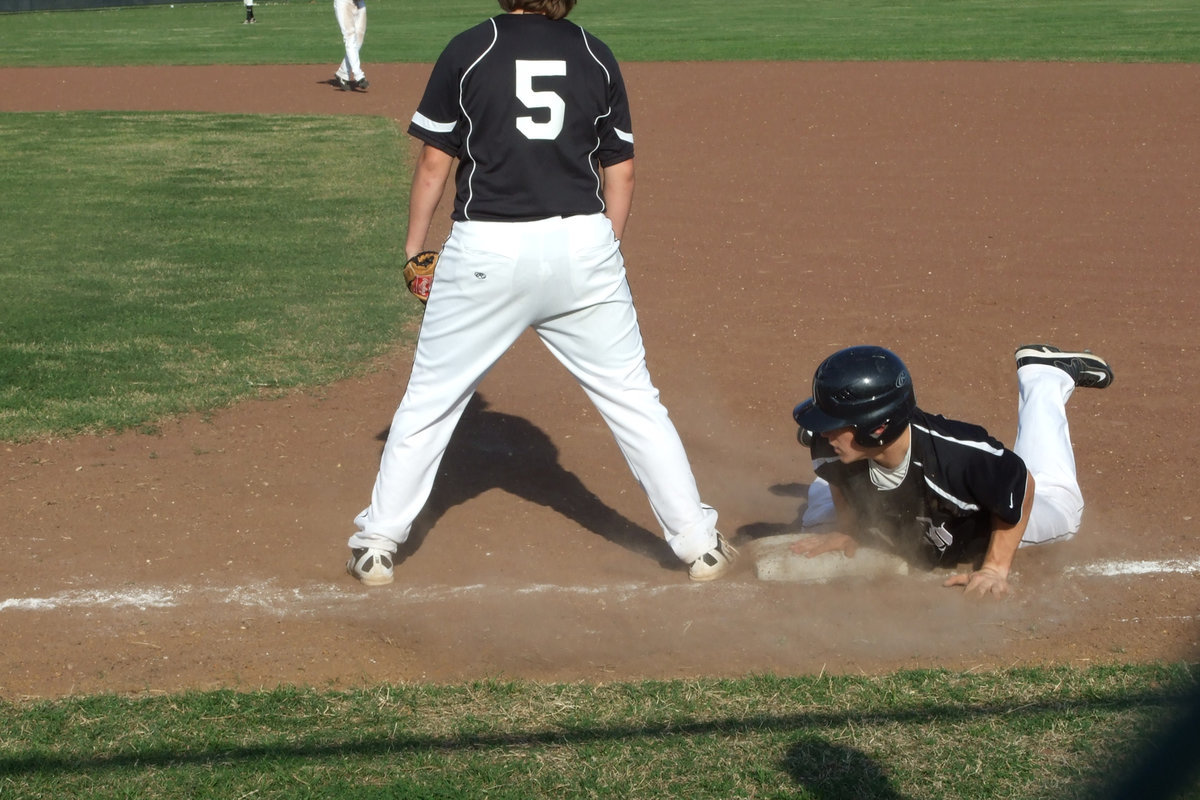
[(948, 211)]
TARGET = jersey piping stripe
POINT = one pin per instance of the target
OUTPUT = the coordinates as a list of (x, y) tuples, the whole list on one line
[(624, 136), (470, 123), (422, 121), (984, 446), (588, 47), (592, 164), (596, 124), (963, 504)]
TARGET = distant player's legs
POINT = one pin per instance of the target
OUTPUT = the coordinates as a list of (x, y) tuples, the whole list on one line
[(360, 34), (352, 19), (599, 341), (1044, 443)]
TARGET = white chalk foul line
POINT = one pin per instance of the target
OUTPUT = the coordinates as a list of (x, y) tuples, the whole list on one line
[(263, 595), (270, 597), (153, 597), (1115, 568)]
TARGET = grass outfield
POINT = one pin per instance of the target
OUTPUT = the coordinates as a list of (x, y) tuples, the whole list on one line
[(1031, 733), (164, 263), (638, 30)]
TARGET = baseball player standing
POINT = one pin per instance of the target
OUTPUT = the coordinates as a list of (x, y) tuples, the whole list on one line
[(929, 486), (352, 19), (535, 111)]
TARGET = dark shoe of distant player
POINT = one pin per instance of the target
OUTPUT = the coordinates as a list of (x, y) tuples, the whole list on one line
[(1085, 368), (714, 563), (342, 83), (370, 565), (361, 84)]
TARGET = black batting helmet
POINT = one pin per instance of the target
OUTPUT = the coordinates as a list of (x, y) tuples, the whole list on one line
[(866, 388)]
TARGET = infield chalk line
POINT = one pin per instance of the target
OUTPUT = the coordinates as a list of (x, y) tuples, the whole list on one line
[(307, 599), (1114, 568), (271, 597)]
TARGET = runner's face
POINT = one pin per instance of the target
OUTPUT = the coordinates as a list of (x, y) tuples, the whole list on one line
[(848, 450)]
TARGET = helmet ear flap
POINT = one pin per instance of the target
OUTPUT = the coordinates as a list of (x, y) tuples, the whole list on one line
[(879, 435)]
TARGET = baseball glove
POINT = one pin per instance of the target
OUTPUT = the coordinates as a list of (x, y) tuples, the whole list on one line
[(418, 274)]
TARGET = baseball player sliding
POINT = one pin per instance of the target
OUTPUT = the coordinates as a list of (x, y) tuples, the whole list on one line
[(534, 110), (935, 488)]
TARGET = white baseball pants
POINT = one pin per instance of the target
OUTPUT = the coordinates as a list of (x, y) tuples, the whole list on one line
[(352, 19), (565, 278), (1044, 444)]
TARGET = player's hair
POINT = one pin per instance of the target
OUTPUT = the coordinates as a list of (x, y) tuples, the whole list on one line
[(552, 9)]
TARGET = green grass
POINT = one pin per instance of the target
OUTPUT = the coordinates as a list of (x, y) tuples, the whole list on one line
[(1032, 733), (638, 30), (160, 263)]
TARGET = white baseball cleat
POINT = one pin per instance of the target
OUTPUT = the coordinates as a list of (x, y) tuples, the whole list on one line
[(371, 565), (715, 562)]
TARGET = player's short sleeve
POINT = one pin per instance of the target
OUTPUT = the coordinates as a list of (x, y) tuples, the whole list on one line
[(438, 118), (998, 484), (616, 128)]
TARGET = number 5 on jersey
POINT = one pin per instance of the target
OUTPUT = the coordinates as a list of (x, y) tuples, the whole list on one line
[(533, 99)]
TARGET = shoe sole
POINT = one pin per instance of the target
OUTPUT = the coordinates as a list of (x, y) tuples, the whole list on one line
[(1094, 371), (716, 572), (366, 581)]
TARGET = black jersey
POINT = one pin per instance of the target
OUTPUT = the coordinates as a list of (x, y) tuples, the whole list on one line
[(958, 478), (532, 108)]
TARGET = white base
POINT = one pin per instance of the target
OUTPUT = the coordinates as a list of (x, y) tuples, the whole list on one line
[(773, 561)]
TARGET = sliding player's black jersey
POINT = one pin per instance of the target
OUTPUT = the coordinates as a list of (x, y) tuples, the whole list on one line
[(958, 478)]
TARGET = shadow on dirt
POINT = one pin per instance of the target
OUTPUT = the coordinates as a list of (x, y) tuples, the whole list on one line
[(491, 450)]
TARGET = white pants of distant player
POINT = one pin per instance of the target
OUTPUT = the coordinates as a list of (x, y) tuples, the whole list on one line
[(1043, 443), (565, 278), (352, 19)]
